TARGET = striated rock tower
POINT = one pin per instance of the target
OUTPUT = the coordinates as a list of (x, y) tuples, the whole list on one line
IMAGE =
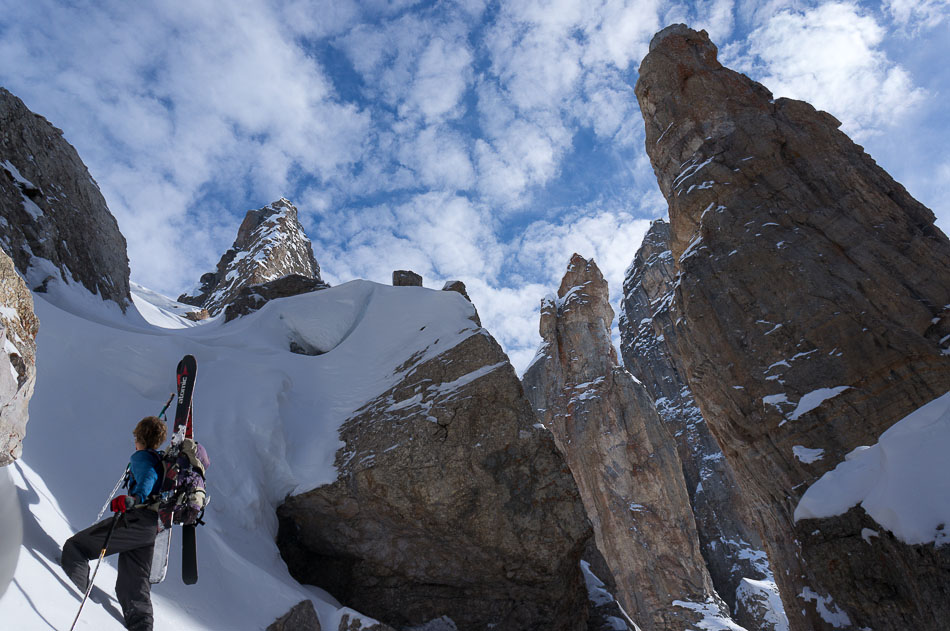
[(730, 545), (624, 460), (811, 312)]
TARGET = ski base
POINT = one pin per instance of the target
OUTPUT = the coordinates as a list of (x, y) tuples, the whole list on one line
[(189, 556), (163, 545)]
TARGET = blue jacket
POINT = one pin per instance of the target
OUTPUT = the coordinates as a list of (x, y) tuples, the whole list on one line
[(143, 466)]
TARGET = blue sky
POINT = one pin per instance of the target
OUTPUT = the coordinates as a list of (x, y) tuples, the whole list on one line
[(484, 141)]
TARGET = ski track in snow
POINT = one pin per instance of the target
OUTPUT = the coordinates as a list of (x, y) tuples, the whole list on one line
[(268, 417)]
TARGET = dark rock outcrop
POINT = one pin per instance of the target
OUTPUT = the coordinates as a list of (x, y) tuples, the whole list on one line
[(459, 287), (624, 460), (730, 545), (18, 328), (810, 310), (359, 623), (270, 244), (54, 222), (406, 278), (450, 501), (301, 617), (252, 297)]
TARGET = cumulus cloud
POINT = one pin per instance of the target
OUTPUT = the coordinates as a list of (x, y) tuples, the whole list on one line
[(917, 15), (437, 234), (831, 56), (165, 100)]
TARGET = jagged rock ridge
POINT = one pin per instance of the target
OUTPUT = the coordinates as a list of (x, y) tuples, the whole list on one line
[(450, 501), (730, 545), (624, 460), (811, 310), (54, 222), (18, 328), (270, 245)]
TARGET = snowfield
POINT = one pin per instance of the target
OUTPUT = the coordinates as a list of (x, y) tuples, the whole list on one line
[(268, 418)]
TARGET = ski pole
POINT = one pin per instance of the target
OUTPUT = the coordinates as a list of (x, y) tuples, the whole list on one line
[(105, 545), (167, 403), (111, 495), (122, 477)]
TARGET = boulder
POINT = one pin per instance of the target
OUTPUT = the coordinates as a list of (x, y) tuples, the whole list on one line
[(54, 222), (406, 278), (459, 287), (450, 501), (18, 329), (271, 244), (301, 617), (621, 454), (810, 312), (197, 316)]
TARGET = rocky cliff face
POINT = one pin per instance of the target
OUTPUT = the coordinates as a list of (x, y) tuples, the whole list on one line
[(730, 546), (18, 328), (810, 312), (624, 460), (54, 222), (270, 244), (450, 501)]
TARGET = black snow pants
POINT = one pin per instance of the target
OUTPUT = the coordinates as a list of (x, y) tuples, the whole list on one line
[(133, 539)]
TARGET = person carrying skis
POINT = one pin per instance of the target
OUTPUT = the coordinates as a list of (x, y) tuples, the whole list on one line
[(133, 538)]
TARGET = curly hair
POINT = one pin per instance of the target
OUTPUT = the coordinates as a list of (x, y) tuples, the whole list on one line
[(150, 431)]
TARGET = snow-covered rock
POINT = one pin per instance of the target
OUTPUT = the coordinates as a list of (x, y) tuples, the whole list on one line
[(450, 500), (270, 244)]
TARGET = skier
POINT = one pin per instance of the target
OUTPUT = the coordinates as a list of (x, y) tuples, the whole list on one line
[(134, 535)]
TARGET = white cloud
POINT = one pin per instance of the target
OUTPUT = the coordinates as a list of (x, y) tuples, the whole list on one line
[(440, 159), (916, 15), (716, 17), (442, 75), (830, 56), (163, 99), (438, 235)]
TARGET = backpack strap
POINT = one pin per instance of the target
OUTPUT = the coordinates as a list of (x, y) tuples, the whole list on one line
[(158, 463)]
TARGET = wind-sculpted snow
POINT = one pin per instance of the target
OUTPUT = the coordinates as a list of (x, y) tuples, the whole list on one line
[(268, 417), (911, 454)]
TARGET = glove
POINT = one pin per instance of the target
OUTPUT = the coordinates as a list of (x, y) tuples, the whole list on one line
[(122, 503)]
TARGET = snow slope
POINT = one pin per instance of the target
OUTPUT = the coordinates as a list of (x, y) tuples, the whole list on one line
[(268, 418)]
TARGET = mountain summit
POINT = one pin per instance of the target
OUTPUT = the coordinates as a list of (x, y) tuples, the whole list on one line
[(270, 244)]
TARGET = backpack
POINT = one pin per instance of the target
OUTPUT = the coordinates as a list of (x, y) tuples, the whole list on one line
[(180, 496)]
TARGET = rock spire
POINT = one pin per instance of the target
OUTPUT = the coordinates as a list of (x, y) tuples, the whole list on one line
[(624, 460), (270, 245), (811, 311), (730, 544)]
